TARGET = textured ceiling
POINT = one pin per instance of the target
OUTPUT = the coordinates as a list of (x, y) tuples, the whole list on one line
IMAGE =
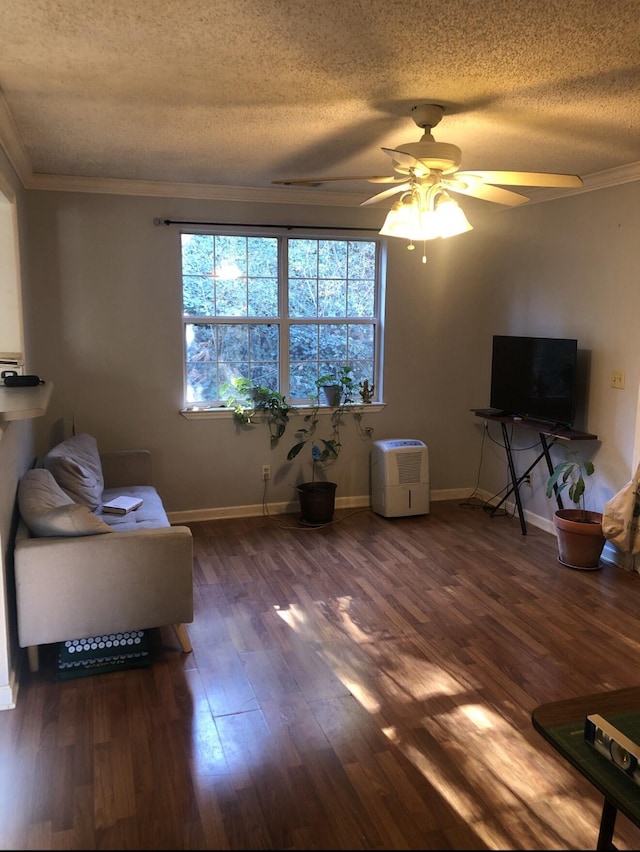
[(242, 92)]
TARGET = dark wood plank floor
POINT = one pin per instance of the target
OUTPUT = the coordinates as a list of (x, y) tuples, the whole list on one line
[(368, 685)]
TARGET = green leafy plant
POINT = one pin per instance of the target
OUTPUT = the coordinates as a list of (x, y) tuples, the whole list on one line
[(339, 385), (252, 403), (325, 451), (571, 473)]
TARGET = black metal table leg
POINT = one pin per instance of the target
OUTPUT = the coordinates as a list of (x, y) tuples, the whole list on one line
[(607, 826), (515, 482), (547, 456)]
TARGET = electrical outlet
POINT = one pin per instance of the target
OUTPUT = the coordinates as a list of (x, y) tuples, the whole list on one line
[(617, 379), (266, 471), (527, 479)]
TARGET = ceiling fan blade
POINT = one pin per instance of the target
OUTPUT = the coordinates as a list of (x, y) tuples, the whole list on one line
[(477, 189), (507, 178), (317, 180), (401, 157), (388, 179), (386, 193), (407, 161)]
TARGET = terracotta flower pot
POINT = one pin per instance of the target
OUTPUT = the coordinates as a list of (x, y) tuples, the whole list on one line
[(580, 538)]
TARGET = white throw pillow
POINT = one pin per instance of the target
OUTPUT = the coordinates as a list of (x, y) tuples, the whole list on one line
[(48, 511), (76, 466)]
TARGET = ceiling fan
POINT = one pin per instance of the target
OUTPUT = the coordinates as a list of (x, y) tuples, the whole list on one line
[(428, 163)]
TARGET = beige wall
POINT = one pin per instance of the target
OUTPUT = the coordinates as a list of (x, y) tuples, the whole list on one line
[(568, 268), (105, 302), (101, 295), (104, 311)]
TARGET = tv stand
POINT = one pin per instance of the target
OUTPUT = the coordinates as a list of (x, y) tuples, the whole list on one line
[(548, 435)]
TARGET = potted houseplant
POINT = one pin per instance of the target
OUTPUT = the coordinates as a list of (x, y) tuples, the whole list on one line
[(251, 402), (579, 530), (337, 387), (317, 497)]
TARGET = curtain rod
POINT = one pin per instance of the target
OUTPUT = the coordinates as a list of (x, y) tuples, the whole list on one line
[(158, 221)]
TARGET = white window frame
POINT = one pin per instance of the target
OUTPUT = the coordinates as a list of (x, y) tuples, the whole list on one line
[(193, 410)]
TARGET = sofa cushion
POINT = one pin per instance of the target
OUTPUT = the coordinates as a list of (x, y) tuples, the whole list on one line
[(76, 466), (48, 511), (150, 515)]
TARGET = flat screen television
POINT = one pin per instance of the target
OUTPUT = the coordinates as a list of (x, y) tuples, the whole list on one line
[(535, 377)]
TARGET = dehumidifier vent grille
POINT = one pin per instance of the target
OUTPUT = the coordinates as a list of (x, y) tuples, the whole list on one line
[(409, 466)]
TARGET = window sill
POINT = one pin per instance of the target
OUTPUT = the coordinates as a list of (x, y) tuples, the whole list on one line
[(24, 403), (227, 413)]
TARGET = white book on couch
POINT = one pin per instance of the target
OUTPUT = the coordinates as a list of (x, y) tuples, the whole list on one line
[(121, 505)]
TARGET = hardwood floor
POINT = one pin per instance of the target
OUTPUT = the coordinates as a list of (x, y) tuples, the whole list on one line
[(368, 685)]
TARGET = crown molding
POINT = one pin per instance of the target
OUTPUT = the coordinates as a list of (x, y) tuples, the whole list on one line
[(611, 177), (11, 143), (590, 183), (212, 192), (292, 195)]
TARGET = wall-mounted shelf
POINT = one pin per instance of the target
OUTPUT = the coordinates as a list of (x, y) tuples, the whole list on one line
[(23, 403)]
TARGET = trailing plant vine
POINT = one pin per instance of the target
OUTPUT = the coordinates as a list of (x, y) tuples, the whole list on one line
[(253, 403), (325, 451)]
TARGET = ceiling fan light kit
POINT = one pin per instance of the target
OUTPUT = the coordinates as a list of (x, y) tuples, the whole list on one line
[(425, 210), (425, 214)]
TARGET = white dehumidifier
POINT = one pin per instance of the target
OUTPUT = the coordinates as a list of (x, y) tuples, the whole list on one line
[(400, 477)]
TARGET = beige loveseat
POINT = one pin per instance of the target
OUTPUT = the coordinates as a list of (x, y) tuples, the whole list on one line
[(81, 572)]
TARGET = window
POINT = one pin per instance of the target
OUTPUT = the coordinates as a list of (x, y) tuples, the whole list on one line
[(278, 310)]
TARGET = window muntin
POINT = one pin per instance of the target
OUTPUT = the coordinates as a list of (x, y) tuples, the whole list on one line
[(316, 349), (278, 310)]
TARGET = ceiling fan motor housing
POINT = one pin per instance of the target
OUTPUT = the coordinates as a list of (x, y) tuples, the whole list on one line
[(440, 156)]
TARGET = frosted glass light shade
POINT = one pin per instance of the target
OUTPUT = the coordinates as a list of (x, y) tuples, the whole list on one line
[(411, 219), (451, 218), (410, 222), (399, 219)]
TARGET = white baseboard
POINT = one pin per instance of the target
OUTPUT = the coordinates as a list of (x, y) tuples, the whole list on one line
[(256, 510), (610, 553), (9, 694), (290, 507)]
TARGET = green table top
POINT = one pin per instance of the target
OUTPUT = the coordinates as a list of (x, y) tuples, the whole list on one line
[(615, 784)]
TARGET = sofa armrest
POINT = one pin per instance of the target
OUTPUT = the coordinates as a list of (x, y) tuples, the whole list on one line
[(126, 467), (91, 585)]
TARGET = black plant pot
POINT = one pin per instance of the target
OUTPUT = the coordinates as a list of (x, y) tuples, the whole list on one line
[(317, 502)]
